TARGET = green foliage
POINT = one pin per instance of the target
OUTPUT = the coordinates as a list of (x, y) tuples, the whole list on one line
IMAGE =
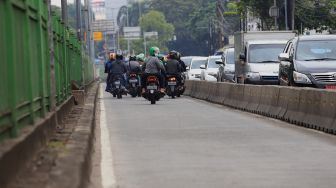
[(310, 14), (156, 21)]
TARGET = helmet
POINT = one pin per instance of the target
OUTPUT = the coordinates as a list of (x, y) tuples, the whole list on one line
[(154, 51), (141, 57), (119, 55), (132, 58), (173, 54), (112, 56)]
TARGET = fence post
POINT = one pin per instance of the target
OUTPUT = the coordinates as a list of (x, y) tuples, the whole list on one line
[(52, 62)]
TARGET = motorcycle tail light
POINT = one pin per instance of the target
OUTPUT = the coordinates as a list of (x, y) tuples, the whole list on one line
[(133, 75), (172, 79), (152, 79)]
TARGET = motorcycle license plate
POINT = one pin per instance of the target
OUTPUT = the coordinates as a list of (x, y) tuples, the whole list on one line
[(133, 81), (152, 87), (172, 83)]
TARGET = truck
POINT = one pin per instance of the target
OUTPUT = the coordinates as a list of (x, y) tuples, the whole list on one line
[(256, 56)]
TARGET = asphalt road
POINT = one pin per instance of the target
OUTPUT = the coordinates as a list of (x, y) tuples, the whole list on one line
[(187, 143)]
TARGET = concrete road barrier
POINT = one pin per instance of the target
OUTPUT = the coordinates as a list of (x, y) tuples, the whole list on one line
[(268, 101), (309, 107), (293, 97), (252, 97)]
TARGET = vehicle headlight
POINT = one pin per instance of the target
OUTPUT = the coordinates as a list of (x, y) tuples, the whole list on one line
[(301, 78), (253, 75)]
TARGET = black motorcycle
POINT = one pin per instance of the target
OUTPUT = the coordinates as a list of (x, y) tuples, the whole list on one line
[(134, 86), (117, 89), (174, 87), (152, 92)]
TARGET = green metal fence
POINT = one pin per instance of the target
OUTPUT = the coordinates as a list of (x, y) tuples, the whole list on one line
[(25, 64)]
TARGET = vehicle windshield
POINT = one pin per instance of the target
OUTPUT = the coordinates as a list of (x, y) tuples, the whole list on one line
[(265, 53), (316, 50), (186, 60), (230, 57), (212, 63), (197, 63)]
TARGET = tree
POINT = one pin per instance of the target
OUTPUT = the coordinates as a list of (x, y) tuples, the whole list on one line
[(156, 21), (311, 14)]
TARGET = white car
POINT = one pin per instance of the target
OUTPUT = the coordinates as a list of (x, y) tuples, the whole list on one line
[(210, 69), (194, 70)]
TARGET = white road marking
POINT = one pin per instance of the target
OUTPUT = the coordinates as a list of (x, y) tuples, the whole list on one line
[(106, 164)]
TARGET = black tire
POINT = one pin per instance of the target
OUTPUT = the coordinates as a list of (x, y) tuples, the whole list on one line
[(133, 93), (114, 95), (153, 101), (119, 95), (178, 95)]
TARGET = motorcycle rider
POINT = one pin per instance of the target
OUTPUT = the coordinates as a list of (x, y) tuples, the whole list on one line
[(133, 67), (118, 69), (182, 64), (108, 64), (173, 66), (153, 66)]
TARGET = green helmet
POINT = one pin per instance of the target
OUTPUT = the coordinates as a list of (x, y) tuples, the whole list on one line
[(154, 51), (141, 57)]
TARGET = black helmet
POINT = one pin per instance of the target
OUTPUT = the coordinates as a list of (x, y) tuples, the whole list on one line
[(132, 58), (119, 55), (173, 54)]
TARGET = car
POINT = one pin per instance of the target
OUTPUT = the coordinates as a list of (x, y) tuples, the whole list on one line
[(226, 70), (187, 60), (209, 70), (194, 70), (256, 56), (309, 61)]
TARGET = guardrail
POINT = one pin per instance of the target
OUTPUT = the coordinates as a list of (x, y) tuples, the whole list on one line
[(307, 107), (25, 64)]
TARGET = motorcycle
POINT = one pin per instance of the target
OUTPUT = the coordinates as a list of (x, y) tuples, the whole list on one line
[(174, 87), (134, 87), (116, 89), (152, 92)]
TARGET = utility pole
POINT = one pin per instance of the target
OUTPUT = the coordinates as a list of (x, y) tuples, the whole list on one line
[(286, 14), (220, 18), (78, 19), (276, 17), (293, 15), (64, 11)]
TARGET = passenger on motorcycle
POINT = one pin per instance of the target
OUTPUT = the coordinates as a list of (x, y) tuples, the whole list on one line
[(133, 67), (173, 66), (182, 64), (118, 69), (108, 64), (153, 66)]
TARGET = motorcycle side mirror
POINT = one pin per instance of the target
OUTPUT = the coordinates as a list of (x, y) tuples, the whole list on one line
[(219, 62), (187, 68), (202, 67), (242, 57)]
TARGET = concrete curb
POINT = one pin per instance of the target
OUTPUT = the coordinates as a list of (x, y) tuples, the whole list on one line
[(73, 166), (15, 153), (307, 107)]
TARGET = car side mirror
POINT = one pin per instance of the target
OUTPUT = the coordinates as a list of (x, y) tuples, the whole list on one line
[(187, 68), (284, 57), (242, 57), (219, 62), (202, 67)]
